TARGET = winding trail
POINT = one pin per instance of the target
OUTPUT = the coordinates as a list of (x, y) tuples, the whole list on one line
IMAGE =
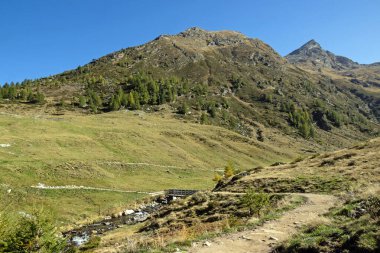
[(263, 238), (77, 187)]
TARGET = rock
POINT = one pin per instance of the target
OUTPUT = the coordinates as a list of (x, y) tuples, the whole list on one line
[(128, 211), (273, 238), (246, 238), (207, 244)]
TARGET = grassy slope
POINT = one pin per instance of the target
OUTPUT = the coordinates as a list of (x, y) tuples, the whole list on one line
[(352, 174), (355, 169), (95, 151)]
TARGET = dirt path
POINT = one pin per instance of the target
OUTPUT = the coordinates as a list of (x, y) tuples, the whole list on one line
[(77, 187), (263, 238)]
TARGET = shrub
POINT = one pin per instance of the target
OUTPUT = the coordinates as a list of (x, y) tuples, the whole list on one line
[(198, 198), (32, 233), (217, 177), (255, 202)]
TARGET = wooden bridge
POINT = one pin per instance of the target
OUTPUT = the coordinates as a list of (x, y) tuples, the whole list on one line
[(179, 192)]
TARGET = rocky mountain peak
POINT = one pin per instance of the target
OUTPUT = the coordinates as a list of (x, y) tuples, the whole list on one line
[(194, 32), (311, 54), (309, 49), (311, 44), (218, 38)]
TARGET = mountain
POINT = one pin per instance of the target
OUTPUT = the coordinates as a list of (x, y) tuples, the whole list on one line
[(220, 78), (313, 55), (362, 80)]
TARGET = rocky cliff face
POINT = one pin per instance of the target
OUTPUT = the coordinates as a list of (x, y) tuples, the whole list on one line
[(313, 55)]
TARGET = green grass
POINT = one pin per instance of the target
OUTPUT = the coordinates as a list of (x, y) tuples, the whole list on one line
[(98, 150)]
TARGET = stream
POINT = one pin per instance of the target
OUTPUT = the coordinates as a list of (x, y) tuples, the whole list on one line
[(81, 235)]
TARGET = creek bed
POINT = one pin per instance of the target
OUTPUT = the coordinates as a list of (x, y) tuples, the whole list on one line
[(81, 235)]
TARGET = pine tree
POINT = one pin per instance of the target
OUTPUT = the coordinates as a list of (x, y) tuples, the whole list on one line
[(120, 95), (204, 118), (115, 104), (40, 98), (183, 108), (255, 201), (124, 101), (131, 101), (82, 101), (229, 170), (212, 110)]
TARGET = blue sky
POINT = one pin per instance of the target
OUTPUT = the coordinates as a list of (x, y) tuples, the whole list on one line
[(44, 37)]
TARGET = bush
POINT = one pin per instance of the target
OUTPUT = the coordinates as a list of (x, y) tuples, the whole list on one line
[(255, 202), (31, 233), (217, 177)]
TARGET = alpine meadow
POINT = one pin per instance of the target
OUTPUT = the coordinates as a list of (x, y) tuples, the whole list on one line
[(198, 141)]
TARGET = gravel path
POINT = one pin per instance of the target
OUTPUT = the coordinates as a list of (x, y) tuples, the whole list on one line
[(80, 187)]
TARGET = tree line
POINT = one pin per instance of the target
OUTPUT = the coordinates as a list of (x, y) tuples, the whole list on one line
[(136, 91), (21, 92), (299, 118)]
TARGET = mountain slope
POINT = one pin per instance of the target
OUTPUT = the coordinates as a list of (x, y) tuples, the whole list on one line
[(361, 80), (222, 78)]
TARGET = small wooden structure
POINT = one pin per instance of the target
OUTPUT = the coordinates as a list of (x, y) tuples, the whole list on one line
[(179, 193)]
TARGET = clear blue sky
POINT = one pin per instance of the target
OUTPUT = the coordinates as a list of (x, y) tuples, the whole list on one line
[(44, 37)]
